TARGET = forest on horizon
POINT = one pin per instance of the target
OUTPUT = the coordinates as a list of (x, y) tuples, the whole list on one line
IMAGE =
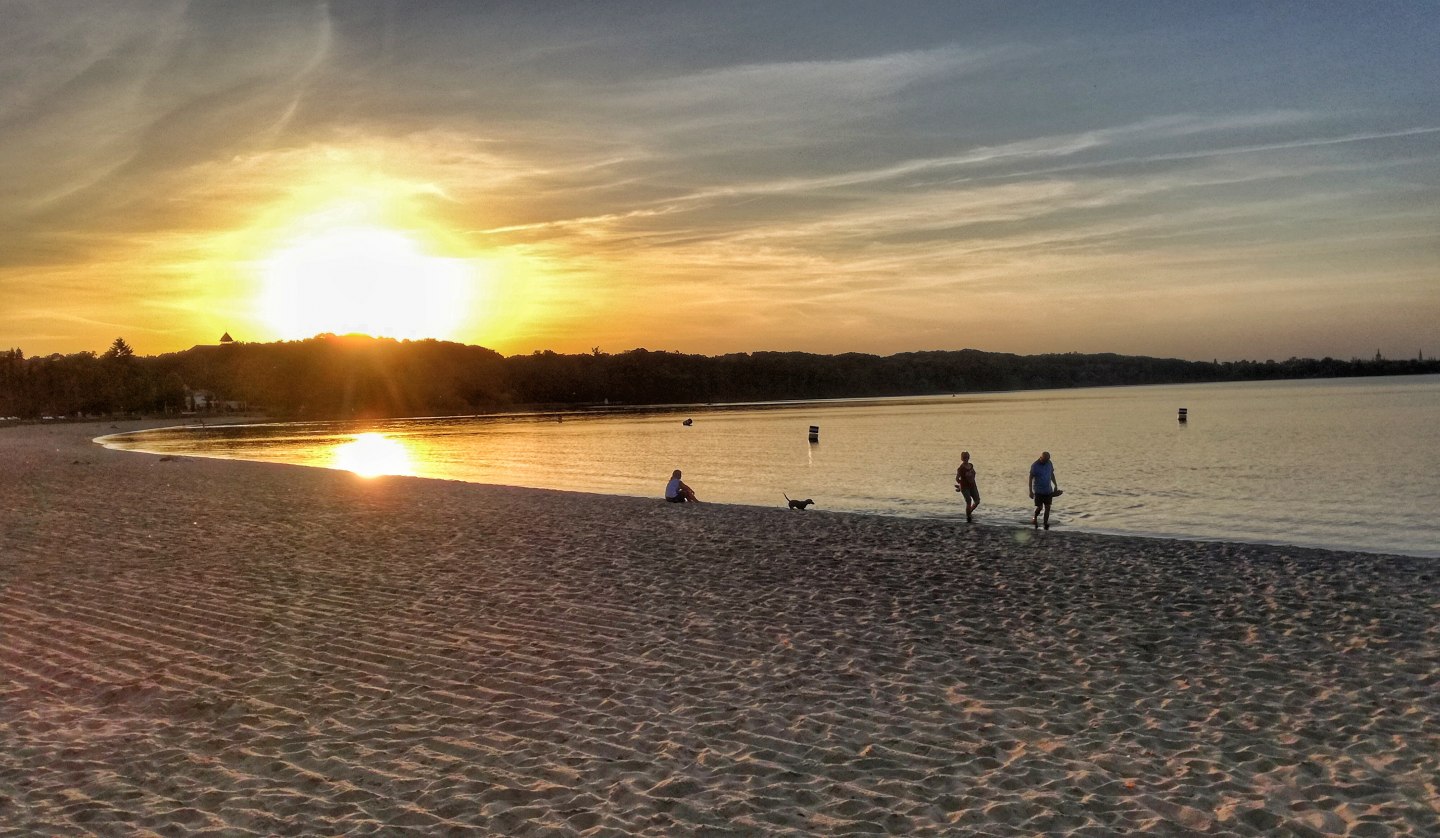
[(356, 376)]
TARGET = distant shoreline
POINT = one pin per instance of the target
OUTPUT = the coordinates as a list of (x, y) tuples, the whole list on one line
[(355, 375), (592, 409)]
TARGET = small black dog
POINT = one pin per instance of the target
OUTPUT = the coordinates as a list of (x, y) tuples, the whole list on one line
[(798, 504)]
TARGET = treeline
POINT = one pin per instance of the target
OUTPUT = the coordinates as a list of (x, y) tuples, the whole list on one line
[(355, 376)]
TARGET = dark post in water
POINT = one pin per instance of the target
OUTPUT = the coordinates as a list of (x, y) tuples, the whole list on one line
[(814, 433), (1183, 413)]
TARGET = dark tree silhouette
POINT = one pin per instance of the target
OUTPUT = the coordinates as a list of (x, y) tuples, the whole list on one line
[(119, 350), (332, 376)]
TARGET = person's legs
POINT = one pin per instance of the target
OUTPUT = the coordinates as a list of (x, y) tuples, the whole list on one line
[(1047, 511), (1039, 502)]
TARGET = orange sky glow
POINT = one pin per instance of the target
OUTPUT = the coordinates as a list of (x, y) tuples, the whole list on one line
[(1178, 181)]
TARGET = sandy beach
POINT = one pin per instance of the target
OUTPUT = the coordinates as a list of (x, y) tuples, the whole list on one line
[(202, 647)]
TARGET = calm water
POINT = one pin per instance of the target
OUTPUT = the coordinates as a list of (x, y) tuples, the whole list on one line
[(1342, 463)]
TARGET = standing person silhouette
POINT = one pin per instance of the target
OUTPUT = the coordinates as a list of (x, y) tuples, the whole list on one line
[(965, 484), (1043, 487)]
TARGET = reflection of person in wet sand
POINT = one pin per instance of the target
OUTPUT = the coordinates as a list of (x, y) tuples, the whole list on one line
[(965, 484), (677, 492), (1043, 487)]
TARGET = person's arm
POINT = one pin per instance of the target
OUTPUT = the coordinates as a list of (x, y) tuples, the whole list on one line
[(1030, 482)]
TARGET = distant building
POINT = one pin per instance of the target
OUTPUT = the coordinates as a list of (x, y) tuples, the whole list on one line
[(206, 401), (226, 340)]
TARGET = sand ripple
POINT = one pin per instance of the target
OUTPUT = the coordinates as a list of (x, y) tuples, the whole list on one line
[(208, 648)]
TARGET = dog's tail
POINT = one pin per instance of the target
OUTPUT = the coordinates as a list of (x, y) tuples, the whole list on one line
[(787, 497)]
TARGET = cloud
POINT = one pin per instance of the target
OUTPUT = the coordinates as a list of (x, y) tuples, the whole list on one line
[(1225, 151), (110, 100), (778, 92), (892, 180), (644, 160)]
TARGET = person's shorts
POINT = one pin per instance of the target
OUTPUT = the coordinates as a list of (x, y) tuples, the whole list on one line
[(676, 499), (1041, 500), (970, 493)]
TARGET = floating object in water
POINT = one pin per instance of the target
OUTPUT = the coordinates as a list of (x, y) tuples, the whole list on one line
[(814, 433), (1184, 414), (688, 422)]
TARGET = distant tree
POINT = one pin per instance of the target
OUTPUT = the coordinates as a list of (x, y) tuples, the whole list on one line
[(13, 398), (331, 376), (119, 350)]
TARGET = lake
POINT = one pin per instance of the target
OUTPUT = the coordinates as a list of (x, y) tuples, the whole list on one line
[(1342, 463)]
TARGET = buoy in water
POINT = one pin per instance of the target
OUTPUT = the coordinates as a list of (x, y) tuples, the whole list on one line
[(814, 433), (1184, 414)]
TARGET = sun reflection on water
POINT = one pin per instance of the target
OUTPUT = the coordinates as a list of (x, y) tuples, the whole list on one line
[(373, 455)]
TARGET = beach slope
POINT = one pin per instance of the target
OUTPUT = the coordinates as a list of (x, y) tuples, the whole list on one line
[(193, 646)]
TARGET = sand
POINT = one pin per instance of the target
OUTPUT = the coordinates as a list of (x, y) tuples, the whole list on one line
[(202, 647)]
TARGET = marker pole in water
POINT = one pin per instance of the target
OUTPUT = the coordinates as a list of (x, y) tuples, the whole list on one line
[(814, 433), (1184, 414)]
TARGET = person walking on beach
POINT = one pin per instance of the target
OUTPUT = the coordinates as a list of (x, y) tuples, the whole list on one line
[(677, 492), (965, 484), (1043, 487)]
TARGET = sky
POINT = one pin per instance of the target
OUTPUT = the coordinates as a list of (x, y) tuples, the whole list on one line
[(1223, 180)]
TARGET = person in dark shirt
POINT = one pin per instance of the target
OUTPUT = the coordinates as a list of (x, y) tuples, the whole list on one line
[(965, 484)]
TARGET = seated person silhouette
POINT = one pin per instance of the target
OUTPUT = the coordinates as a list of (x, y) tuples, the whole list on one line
[(677, 492)]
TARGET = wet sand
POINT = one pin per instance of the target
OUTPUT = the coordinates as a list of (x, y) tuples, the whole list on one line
[(193, 647)]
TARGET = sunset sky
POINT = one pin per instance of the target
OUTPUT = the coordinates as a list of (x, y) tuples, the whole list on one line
[(1197, 180)]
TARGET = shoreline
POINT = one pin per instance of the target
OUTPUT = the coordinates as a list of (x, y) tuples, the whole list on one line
[(1068, 527), (253, 648), (583, 408), (678, 407)]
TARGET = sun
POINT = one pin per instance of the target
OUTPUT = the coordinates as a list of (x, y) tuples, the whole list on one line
[(367, 280), (374, 455)]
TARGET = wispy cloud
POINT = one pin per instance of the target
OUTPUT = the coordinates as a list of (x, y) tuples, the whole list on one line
[(792, 188), (794, 90), (1223, 151)]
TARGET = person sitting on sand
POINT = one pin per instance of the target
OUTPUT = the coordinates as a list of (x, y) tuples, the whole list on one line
[(1043, 487), (965, 484), (677, 492)]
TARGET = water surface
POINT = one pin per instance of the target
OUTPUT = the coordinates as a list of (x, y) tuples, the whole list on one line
[(1344, 463)]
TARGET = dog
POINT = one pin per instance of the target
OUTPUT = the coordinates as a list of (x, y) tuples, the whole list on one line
[(798, 504)]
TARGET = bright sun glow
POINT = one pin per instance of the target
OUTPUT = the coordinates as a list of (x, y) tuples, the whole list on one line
[(372, 454), (367, 280)]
